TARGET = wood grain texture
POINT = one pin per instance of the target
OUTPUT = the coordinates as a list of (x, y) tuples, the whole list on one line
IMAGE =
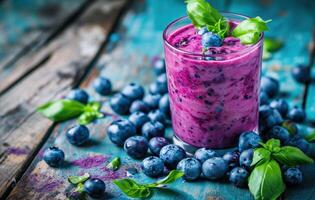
[(64, 62), (127, 58)]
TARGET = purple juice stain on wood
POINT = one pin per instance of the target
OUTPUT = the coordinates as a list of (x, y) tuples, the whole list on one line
[(43, 184), (90, 162), (17, 151)]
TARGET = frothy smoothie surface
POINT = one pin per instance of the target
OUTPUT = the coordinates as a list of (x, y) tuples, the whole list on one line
[(186, 38)]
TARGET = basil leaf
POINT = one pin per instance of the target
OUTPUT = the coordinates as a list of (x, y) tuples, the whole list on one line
[(202, 14), (170, 178), (310, 137), (79, 188), (272, 145), (265, 181), (272, 44), (132, 189), (292, 156), (91, 112), (249, 30), (260, 156), (114, 164), (78, 179), (61, 110)]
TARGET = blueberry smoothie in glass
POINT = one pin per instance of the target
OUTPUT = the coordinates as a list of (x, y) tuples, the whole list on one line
[(213, 78)]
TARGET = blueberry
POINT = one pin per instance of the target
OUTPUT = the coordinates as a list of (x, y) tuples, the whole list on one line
[(281, 105), (268, 118), (138, 119), (164, 105), (136, 146), (162, 79), (232, 158), (133, 91), (120, 104), (156, 144), (301, 74), (152, 100), (210, 39), (246, 158), (157, 115), (293, 176), (299, 142), (139, 105), (153, 129), (248, 140), (54, 156), (152, 166), (263, 97), (102, 86), (202, 31), (171, 155), (120, 130), (280, 133), (159, 66), (214, 168), (191, 168), (204, 154), (94, 187), (270, 85), (297, 115), (290, 126), (238, 176), (158, 88), (78, 95), (78, 135)]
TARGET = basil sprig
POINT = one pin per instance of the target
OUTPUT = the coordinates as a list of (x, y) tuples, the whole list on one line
[(137, 190), (114, 164), (271, 45), (265, 180), (65, 109), (202, 14), (78, 182)]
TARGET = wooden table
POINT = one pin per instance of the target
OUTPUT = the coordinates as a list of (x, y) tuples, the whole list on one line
[(49, 47)]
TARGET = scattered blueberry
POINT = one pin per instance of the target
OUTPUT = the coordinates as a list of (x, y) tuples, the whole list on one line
[(214, 168), (238, 176), (156, 144), (299, 142), (301, 73), (191, 168), (210, 39), (232, 158), (268, 118), (204, 154), (157, 115), (202, 31), (136, 146), (78, 95), (133, 91), (94, 187), (297, 115), (162, 79), (159, 66), (158, 88), (120, 130), (270, 86), (138, 119), (280, 133), (246, 158), (120, 104), (164, 105), (248, 140), (54, 156), (102, 86), (78, 135), (152, 100), (171, 155), (293, 176), (281, 105), (153, 129), (290, 126), (153, 166), (263, 97), (139, 105)]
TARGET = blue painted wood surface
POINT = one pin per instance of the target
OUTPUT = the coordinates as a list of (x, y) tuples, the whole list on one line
[(128, 59)]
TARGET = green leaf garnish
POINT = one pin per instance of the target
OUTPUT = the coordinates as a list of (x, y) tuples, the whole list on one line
[(292, 156), (137, 190), (78, 179), (260, 156), (310, 137), (79, 188), (249, 30), (65, 109), (114, 164), (202, 14), (270, 45)]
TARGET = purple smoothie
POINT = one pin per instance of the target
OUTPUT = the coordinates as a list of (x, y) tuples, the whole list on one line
[(213, 97)]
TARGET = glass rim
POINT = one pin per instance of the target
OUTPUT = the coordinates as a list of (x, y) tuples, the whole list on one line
[(207, 55)]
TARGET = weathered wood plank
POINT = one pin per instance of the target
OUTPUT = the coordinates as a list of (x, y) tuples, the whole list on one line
[(30, 27), (67, 58)]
